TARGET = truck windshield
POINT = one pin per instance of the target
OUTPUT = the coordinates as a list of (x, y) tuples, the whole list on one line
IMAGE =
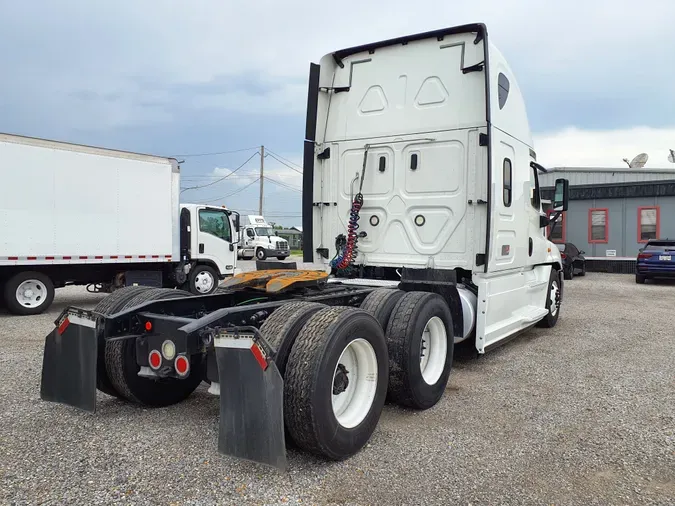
[(264, 231)]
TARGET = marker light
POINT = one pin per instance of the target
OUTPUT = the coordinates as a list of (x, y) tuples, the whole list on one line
[(155, 359), (168, 350), (182, 365), (148, 326)]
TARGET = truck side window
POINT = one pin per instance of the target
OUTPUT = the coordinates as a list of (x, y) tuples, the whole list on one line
[(508, 172), (250, 233), (215, 223)]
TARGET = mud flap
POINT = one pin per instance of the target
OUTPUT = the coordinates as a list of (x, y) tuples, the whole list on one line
[(69, 361), (251, 399)]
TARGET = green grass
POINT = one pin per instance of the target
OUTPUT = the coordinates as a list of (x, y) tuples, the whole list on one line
[(296, 252)]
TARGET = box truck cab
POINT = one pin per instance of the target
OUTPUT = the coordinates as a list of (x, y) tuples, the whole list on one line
[(209, 236), (259, 239)]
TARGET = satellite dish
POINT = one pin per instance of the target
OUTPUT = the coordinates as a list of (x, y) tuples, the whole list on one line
[(638, 162), (671, 156)]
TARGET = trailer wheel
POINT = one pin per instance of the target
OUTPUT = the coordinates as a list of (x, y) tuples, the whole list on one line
[(552, 301), (120, 361), (380, 303), (29, 293), (421, 344), (336, 382), (109, 305), (203, 280), (281, 328)]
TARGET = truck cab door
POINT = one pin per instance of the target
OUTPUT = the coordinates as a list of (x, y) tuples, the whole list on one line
[(537, 242), (215, 240)]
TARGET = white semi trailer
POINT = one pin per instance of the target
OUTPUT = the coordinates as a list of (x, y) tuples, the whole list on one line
[(74, 214), (420, 196)]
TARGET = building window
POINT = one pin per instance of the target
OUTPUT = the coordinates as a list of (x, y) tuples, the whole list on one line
[(508, 172), (598, 226), (559, 232), (649, 223)]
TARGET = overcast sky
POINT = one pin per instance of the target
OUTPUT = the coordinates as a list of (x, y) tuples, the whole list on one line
[(179, 78)]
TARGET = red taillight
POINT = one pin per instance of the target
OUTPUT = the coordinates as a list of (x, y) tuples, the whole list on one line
[(155, 359), (148, 326), (562, 255), (645, 255), (182, 365)]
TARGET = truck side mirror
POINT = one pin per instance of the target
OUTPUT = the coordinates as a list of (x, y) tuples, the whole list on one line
[(236, 222), (562, 195)]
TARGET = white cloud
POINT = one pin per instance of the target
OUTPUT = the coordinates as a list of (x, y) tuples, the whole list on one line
[(53, 50), (574, 147)]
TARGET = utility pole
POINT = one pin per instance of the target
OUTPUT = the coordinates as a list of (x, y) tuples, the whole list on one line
[(262, 168)]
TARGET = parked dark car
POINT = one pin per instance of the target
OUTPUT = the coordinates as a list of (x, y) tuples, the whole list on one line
[(655, 260), (574, 261)]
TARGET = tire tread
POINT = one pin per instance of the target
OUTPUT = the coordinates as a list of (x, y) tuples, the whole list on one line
[(381, 302)]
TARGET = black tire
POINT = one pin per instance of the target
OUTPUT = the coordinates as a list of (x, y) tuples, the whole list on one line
[(281, 328), (44, 285), (202, 269), (551, 317), (583, 270), (568, 273), (640, 279), (380, 303), (260, 254), (410, 316), (110, 305), (120, 361), (308, 386)]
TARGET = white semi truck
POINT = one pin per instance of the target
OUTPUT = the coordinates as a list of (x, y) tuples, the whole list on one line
[(82, 215), (420, 196), (258, 239)]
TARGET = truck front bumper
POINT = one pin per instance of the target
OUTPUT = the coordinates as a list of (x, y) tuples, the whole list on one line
[(277, 252)]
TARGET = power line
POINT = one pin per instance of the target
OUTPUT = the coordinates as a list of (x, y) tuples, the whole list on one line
[(217, 153), (283, 185), (222, 178), (237, 176), (289, 161), (229, 194), (283, 163)]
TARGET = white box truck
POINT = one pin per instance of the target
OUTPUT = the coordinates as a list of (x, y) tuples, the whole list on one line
[(258, 238), (74, 214)]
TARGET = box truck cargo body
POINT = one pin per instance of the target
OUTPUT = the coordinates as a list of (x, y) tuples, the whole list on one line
[(73, 214)]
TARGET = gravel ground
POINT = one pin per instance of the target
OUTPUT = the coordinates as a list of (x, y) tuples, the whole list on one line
[(583, 414)]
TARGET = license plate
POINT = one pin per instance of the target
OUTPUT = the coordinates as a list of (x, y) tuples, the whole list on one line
[(666, 258)]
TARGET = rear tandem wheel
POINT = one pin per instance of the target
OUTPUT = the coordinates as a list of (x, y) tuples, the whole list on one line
[(335, 382), (117, 371), (421, 341)]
